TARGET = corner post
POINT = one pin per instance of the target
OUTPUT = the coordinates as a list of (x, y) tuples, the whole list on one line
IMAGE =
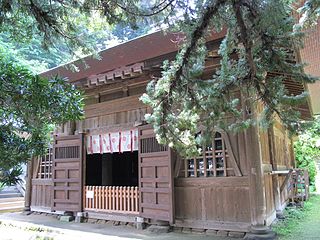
[(259, 229), (27, 197)]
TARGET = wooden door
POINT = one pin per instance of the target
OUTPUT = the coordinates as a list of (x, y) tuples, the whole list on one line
[(67, 173), (155, 177)]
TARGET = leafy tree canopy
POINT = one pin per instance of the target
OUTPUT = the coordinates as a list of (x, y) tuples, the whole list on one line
[(261, 34), (29, 106), (307, 149), (310, 11)]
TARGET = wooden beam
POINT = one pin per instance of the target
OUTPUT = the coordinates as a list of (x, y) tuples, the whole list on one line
[(213, 181), (283, 185), (107, 88)]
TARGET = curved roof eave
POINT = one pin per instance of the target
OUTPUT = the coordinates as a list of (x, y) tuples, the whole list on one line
[(130, 52)]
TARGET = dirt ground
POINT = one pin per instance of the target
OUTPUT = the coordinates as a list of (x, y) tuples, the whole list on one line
[(40, 227)]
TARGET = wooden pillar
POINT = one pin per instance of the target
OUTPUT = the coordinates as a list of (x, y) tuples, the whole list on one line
[(256, 178), (71, 127), (80, 126), (27, 196), (257, 197), (254, 163), (275, 178)]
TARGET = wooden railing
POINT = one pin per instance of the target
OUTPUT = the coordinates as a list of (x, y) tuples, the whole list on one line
[(111, 199)]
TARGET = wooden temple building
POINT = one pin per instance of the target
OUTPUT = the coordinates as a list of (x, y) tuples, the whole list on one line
[(110, 166)]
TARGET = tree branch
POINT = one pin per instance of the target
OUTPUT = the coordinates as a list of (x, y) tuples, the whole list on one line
[(244, 38), (140, 14), (197, 34)]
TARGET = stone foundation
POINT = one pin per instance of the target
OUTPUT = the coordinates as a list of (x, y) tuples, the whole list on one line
[(209, 232), (182, 230)]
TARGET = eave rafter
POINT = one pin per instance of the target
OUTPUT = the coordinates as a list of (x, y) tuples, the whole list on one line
[(124, 72)]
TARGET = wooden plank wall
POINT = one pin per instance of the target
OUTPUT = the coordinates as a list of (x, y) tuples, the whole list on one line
[(114, 114), (110, 108), (277, 154), (283, 147), (284, 156), (213, 203), (284, 195), (41, 197), (237, 141), (270, 202), (216, 202)]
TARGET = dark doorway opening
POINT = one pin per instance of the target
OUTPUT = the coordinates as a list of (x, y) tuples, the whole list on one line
[(112, 169)]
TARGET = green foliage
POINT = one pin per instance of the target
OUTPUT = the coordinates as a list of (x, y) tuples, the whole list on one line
[(33, 55), (261, 34), (70, 29), (29, 106), (292, 217), (310, 12), (307, 148), (296, 219), (12, 176), (2, 185), (39, 53), (50, 20)]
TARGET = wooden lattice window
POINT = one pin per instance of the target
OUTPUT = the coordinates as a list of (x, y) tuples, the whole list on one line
[(67, 152), (214, 160), (45, 165), (151, 145)]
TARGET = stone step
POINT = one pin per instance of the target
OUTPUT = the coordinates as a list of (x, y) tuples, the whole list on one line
[(11, 200), (11, 209), (10, 195), (9, 188), (14, 199), (5, 190), (9, 191), (12, 204)]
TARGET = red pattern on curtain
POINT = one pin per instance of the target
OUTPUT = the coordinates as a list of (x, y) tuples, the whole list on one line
[(125, 141)]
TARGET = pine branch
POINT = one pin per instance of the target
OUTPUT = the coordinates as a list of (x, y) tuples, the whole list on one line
[(245, 39), (141, 14), (196, 35)]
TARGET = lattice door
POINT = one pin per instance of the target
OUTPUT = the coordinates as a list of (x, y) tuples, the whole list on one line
[(155, 177), (67, 173)]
